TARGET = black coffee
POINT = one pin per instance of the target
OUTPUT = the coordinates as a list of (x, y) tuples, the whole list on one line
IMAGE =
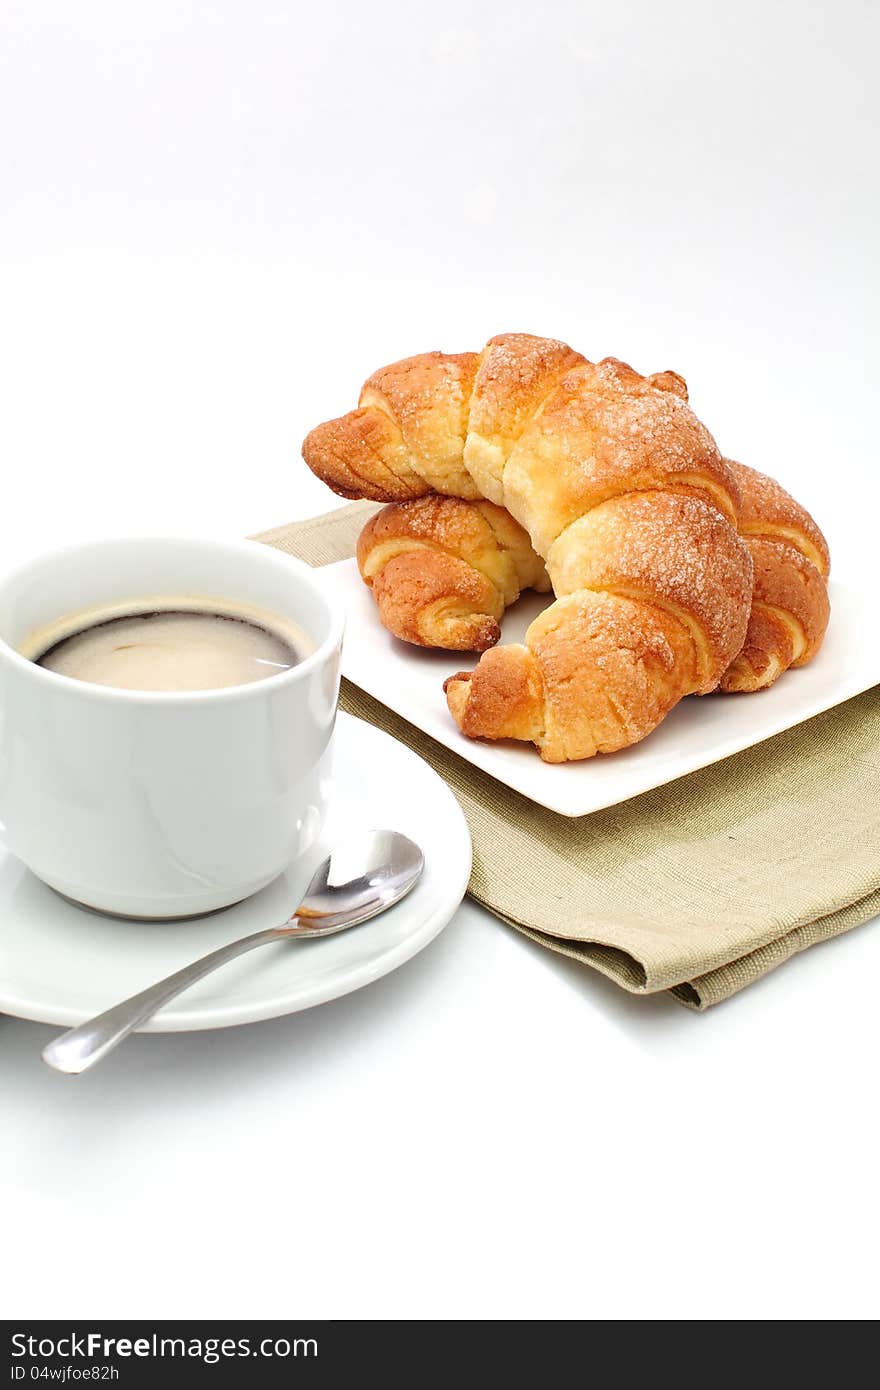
[(175, 650)]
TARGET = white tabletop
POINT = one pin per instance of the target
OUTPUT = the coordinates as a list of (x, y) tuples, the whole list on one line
[(217, 223)]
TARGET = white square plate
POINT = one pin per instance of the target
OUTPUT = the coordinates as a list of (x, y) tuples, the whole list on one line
[(699, 731)]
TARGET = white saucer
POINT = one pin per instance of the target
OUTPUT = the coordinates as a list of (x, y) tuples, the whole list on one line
[(60, 963)]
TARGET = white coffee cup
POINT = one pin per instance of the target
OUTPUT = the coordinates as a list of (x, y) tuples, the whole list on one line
[(164, 804)]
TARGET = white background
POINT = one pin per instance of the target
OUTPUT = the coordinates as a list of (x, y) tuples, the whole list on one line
[(217, 219)]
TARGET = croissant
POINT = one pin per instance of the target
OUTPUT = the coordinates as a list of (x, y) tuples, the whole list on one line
[(419, 589), (623, 493)]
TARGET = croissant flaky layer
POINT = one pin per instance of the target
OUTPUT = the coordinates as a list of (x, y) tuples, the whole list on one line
[(443, 570), (790, 609), (526, 455)]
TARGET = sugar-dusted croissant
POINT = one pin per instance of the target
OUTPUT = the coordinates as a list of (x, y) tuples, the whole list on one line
[(788, 617), (443, 570), (624, 495), (790, 607)]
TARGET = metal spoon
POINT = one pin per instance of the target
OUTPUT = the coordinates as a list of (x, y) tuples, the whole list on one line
[(358, 880)]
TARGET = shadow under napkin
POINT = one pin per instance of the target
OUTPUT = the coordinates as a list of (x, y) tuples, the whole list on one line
[(700, 886)]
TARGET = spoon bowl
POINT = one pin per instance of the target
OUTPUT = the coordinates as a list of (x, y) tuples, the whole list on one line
[(360, 878)]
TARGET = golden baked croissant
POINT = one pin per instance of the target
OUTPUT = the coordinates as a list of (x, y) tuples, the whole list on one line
[(623, 493), (418, 591)]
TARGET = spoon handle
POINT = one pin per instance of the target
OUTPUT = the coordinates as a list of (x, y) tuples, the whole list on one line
[(81, 1047)]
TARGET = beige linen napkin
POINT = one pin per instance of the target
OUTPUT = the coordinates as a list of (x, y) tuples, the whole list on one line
[(699, 887)]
